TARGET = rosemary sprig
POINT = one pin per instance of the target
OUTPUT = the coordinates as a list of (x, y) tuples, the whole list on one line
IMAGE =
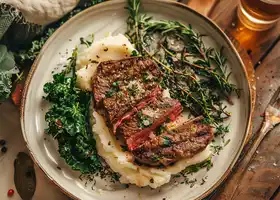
[(133, 23), (210, 61), (71, 64), (200, 96)]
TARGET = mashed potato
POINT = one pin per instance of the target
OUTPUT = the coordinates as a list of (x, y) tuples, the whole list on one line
[(108, 147), (110, 48)]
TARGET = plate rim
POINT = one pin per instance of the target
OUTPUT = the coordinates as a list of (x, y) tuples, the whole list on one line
[(111, 2)]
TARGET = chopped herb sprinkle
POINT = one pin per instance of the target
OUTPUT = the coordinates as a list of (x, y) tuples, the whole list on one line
[(143, 120), (166, 141), (133, 90)]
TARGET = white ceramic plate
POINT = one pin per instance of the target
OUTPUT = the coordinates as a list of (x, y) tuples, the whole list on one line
[(111, 17)]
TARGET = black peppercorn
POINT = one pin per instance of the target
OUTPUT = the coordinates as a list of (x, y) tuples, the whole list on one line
[(2, 142), (4, 149)]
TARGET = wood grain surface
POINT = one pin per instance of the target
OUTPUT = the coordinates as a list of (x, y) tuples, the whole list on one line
[(261, 180), (204, 7)]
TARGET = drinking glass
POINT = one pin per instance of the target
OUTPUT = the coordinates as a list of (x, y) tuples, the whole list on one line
[(259, 15)]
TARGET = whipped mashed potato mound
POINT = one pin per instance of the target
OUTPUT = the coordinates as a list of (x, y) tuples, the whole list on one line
[(119, 161), (110, 48)]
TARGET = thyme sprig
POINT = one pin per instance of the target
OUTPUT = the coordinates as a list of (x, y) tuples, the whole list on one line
[(210, 63), (133, 23), (200, 90)]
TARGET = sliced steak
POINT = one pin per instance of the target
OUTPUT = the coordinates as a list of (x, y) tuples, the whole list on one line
[(120, 117), (141, 126), (114, 75), (184, 141), (128, 94), (121, 107)]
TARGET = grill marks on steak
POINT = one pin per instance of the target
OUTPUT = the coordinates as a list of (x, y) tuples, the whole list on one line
[(185, 141), (151, 97), (142, 125), (117, 106)]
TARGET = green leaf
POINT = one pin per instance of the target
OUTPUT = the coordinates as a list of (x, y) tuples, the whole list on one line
[(3, 51), (7, 68), (68, 123), (7, 61), (5, 86)]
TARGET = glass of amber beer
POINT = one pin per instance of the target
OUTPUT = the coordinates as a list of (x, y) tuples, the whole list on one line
[(259, 15)]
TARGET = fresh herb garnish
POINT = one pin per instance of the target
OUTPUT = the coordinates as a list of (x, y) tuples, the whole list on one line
[(133, 90), (202, 96), (216, 149), (166, 141), (156, 158), (87, 42), (134, 53), (145, 77), (116, 84), (114, 89), (124, 148), (143, 120), (221, 130), (161, 129), (195, 168), (227, 142)]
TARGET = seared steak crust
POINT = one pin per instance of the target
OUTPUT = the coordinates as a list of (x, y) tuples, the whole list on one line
[(184, 141), (122, 71)]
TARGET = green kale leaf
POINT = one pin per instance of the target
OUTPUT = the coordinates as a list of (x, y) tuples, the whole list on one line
[(5, 86), (68, 122), (7, 68)]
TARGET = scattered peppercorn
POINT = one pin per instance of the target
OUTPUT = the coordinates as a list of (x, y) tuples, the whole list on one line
[(2, 142), (10, 192), (4, 149)]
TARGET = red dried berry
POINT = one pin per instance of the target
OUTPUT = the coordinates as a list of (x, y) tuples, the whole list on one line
[(17, 94), (10, 192)]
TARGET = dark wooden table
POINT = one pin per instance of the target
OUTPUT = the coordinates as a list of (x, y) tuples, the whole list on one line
[(261, 180)]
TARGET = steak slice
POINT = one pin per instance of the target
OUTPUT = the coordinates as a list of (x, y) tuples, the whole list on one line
[(184, 141), (114, 75), (142, 125), (119, 113), (120, 107)]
